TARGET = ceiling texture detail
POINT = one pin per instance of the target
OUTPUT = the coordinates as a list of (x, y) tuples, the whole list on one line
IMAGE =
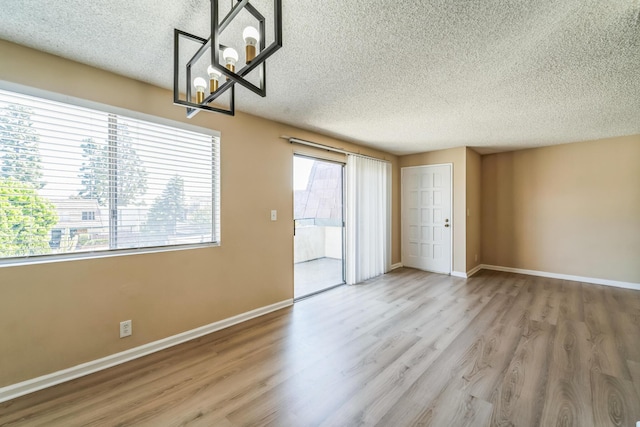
[(401, 76)]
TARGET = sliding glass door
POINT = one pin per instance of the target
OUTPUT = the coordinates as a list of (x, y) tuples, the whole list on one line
[(318, 225)]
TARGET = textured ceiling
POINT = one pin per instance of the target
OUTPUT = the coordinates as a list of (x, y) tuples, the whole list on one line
[(401, 76)]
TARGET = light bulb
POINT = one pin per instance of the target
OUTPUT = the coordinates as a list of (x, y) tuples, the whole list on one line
[(199, 84), (251, 35), (231, 57), (251, 38), (214, 78)]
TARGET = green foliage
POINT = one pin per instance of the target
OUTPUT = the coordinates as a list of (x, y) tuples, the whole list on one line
[(200, 214), (19, 153), (167, 209), (85, 240), (94, 172), (25, 220)]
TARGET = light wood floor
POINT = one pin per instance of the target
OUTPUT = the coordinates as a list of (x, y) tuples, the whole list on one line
[(408, 348)]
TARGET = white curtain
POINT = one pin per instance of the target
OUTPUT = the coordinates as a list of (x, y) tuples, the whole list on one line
[(368, 225)]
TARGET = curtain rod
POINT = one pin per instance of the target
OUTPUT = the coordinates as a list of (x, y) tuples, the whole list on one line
[(328, 148)]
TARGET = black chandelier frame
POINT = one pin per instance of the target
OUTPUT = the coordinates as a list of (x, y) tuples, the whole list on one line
[(213, 43)]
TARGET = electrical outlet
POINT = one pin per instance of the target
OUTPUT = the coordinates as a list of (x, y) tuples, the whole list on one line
[(126, 329), (274, 215)]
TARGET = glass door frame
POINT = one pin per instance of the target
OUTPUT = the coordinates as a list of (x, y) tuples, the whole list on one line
[(343, 189)]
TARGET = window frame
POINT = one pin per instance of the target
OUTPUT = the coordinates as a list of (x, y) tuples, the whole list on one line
[(88, 216), (132, 114)]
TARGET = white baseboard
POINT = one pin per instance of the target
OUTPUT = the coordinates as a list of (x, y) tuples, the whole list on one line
[(474, 270), (459, 274), (39, 383), (606, 282), (396, 265)]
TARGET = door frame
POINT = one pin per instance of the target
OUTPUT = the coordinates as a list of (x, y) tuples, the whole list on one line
[(402, 209)]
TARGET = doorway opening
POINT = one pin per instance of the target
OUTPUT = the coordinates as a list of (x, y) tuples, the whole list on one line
[(318, 188)]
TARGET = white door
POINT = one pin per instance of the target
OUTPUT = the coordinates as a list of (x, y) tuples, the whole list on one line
[(426, 218)]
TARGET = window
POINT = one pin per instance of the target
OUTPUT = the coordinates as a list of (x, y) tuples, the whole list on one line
[(88, 216), (77, 180)]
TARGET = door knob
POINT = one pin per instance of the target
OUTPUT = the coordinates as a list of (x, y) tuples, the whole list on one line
[(446, 225)]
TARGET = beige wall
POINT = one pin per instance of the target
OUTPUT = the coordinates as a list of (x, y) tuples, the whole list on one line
[(474, 209), (569, 209), (57, 315), (458, 157)]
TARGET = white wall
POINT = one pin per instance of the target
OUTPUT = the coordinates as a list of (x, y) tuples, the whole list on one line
[(317, 242)]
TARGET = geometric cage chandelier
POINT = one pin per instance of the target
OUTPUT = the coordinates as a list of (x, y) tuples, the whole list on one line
[(225, 60)]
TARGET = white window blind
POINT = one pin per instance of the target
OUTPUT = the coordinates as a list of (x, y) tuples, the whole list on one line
[(75, 180)]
